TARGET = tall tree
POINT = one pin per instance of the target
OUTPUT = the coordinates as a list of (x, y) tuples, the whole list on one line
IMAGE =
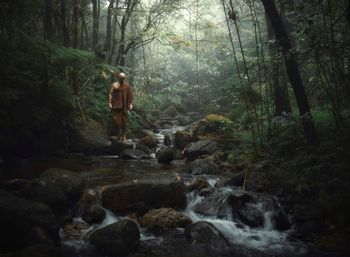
[(292, 71), (95, 24), (107, 46), (277, 73)]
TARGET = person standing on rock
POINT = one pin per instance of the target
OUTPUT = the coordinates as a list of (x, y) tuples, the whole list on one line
[(120, 102)]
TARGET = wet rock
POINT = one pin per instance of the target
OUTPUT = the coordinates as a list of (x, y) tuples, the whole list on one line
[(152, 191), (89, 138), (38, 235), (164, 218), (18, 216), (252, 210), (119, 238), (206, 191), (135, 154), (199, 148), (38, 250), (87, 200), (118, 146), (89, 209), (183, 120), (182, 138), (202, 166), (203, 232), (237, 180), (70, 182), (94, 215), (165, 155), (73, 230), (143, 148), (215, 205), (206, 234), (198, 184), (32, 190), (149, 141), (167, 140)]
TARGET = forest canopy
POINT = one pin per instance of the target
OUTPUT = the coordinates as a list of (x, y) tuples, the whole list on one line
[(273, 67)]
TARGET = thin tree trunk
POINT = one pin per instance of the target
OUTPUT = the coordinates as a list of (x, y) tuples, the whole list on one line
[(65, 31), (77, 23), (95, 24), (292, 71), (48, 25), (107, 46)]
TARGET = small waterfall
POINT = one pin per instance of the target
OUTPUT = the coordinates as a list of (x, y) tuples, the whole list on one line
[(265, 238)]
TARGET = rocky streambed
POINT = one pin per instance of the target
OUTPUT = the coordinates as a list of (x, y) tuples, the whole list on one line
[(149, 200)]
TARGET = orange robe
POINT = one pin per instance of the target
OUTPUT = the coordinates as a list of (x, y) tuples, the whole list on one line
[(122, 97)]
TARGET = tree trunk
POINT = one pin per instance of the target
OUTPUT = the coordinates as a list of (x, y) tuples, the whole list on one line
[(292, 71), (108, 42), (48, 24), (65, 31), (77, 23), (95, 25), (277, 76)]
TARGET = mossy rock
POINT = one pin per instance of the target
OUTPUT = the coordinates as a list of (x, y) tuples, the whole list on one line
[(213, 125), (171, 111)]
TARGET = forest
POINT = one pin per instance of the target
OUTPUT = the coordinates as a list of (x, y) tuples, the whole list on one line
[(237, 139)]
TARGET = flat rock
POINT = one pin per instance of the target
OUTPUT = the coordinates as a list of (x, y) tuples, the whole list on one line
[(153, 191), (199, 148)]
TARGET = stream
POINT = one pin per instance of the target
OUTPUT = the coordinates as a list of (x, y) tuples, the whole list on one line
[(257, 225)]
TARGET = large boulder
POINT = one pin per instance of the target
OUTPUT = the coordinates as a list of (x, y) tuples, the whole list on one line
[(203, 232), (139, 196), (164, 218), (182, 139), (40, 191), (199, 148), (214, 125), (250, 209), (89, 137), (208, 235), (149, 141), (165, 155), (18, 216), (119, 238), (118, 146), (70, 182), (202, 166)]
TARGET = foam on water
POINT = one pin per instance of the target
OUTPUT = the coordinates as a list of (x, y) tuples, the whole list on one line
[(264, 238)]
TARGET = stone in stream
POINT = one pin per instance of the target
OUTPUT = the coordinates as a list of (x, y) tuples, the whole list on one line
[(236, 180), (164, 218), (133, 154), (32, 190), (119, 238), (206, 234), (18, 216), (70, 182), (165, 155), (199, 184), (203, 232), (249, 208), (182, 138), (149, 141), (152, 191), (89, 209), (202, 166), (167, 140), (199, 148)]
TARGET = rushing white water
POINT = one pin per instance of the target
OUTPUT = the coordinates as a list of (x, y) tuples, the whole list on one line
[(264, 238)]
